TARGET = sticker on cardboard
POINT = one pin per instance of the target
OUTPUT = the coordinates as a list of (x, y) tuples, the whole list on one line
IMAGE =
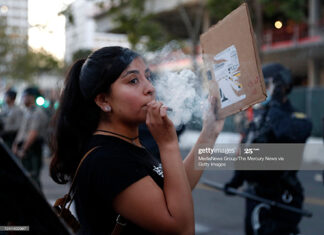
[(227, 74)]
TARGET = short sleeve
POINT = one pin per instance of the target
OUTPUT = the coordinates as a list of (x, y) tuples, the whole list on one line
[(114, 173), (38, 120)]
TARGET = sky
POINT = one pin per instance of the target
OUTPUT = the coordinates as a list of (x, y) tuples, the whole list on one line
[(47, 29)]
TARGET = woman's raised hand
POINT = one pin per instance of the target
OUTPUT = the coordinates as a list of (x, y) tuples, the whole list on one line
[(212, 124), (160, 126)]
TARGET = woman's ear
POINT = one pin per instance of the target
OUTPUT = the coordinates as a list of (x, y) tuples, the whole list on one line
[(102, 101)]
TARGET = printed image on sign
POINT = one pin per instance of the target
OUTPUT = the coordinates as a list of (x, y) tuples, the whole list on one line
[(227, 74)]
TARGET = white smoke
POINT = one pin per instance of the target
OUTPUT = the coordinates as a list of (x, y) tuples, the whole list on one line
[(177, 91), (180, 90)]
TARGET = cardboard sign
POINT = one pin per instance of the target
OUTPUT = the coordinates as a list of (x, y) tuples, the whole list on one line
[(232, 63)]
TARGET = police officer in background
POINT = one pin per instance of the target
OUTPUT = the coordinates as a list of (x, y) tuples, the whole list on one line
[(11, 117), (274, 121), (31, 135)]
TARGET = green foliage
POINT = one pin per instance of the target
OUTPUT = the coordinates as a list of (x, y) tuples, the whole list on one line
[(157, 35), (5, 47), (81, 54), (130, 18), (290, 9), (18, 61), (67, 12), (5, 41), (218, 9), (287, 9), (25, 66)]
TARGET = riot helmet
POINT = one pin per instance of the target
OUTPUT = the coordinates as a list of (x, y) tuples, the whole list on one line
[(277, 79)]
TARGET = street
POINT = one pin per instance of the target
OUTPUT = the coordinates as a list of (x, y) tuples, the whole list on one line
[(216, 213)]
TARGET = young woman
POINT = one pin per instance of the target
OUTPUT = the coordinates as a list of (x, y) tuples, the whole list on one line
[(104, 100)]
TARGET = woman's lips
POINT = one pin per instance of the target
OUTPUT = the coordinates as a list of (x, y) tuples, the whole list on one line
[(145, 105), (168, 109)]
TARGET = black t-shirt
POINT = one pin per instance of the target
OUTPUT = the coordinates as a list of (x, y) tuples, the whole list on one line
[(106, 172)]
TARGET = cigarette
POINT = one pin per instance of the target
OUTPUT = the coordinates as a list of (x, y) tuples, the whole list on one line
[(167, 108)]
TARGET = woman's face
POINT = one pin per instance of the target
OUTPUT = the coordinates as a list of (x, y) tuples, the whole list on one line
[(130, 93)]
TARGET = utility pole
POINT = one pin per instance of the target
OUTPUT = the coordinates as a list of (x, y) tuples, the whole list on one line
[(313, 23), (314, 17)]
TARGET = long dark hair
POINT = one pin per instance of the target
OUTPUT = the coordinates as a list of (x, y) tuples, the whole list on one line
[(78, 115)]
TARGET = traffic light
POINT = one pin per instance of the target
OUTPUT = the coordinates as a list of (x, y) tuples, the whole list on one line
[(40, 101)]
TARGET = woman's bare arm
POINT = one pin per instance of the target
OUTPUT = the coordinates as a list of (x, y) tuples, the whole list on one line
[(207, 138), (145, 204), (167, 211)]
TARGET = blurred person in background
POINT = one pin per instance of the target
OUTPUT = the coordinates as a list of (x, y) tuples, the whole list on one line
[(274, 121), (11, 118), (28, 143)]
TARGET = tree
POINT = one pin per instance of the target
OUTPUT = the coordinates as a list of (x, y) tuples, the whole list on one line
[(5, 47), (67, 12), (262, 11), (130, 17), (81, 54), (218, 9), (32, 63), (18, 61), (289, 9)]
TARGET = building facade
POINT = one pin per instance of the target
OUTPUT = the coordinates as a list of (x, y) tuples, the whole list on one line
[(15, 13), (14, 34), (83, 32)]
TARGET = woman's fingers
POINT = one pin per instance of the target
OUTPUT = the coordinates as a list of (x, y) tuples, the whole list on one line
[(160, 126), (214, 105), (157, 114), (148, 117), (212, 122), (154, 111), (163, 111)]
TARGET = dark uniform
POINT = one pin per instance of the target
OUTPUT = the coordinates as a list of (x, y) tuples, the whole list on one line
[(275, 122)]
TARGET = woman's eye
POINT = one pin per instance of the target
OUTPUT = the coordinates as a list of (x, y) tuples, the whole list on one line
[(149, 77), (134, 81)]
